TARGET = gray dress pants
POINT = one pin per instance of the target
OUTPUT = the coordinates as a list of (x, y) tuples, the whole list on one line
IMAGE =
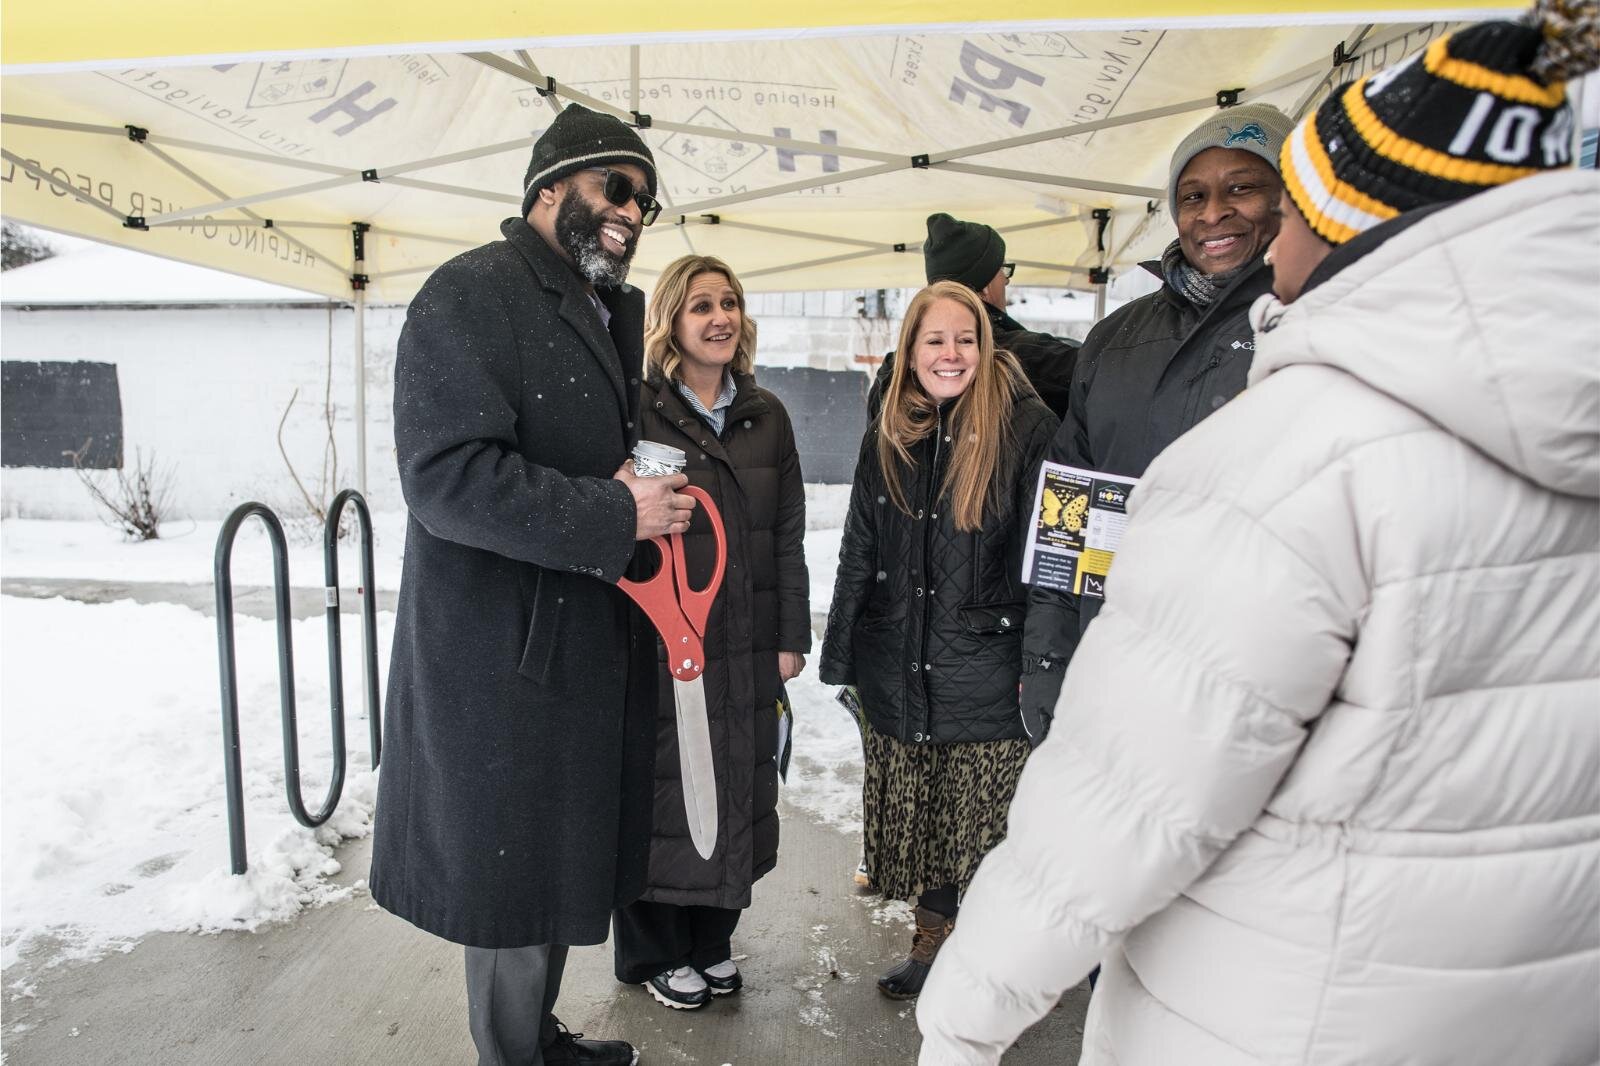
[(511, 997)]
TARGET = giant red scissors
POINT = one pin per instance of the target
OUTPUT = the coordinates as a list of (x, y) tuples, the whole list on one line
[(679, 614)]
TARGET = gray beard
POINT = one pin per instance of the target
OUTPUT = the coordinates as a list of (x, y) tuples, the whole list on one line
[(578, 233)]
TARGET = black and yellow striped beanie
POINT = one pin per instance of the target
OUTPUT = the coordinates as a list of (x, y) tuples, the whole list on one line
[(1477, 108)]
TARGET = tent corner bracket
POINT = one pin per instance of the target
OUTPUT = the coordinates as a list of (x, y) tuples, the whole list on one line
[(920, 162), (1099, 275), (134, 222), (641, 122), (1228, 97), (370, 174), (137, 134)]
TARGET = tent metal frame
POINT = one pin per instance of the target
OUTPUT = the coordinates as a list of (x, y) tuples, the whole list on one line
[(702, 212), (552, 91)]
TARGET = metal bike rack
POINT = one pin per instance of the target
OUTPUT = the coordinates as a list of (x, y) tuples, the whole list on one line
[(369, 614), (232, 768)]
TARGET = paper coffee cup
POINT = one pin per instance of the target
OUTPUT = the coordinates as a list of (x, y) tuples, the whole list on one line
[(657, 460)]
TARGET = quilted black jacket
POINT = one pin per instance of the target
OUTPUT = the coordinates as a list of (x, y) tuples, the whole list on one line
[(927, 621)]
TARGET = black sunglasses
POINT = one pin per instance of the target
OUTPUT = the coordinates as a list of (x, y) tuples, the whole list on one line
[(1009, 269), (618, 190)]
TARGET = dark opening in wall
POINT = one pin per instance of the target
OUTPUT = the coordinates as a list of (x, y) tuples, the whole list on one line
[(50, 410), (829, 412)]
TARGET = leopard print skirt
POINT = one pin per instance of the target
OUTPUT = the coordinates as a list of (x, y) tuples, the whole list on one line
[(931, 812)]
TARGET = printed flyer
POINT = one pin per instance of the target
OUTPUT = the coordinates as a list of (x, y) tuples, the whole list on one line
[(1078, 519)]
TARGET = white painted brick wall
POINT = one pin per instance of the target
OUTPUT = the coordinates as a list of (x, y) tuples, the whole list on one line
[(203, 389)]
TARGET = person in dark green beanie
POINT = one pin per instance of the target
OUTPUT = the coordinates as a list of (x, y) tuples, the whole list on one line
[(974, 255)]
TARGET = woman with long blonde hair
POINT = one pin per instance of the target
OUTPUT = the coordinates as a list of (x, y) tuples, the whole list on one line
[(700, 396), (928, 608)]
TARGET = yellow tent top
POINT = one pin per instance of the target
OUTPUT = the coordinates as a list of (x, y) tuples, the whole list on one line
[(39, 36)]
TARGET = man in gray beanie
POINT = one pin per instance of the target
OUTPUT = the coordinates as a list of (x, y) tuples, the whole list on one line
[(514, 809), (1158, 365), (974, 254)]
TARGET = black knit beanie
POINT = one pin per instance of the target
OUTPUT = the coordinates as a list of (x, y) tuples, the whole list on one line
[(968, 252), (577, 140), (1475, 109)]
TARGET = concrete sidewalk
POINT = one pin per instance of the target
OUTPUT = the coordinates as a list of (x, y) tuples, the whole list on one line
[(350, 983)]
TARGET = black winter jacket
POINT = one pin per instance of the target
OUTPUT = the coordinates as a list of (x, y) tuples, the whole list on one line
[(1146, 375), (1047, 361), (752, 472), (927, 621)]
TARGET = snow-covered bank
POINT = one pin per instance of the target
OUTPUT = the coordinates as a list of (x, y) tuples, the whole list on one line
[(111, 776)]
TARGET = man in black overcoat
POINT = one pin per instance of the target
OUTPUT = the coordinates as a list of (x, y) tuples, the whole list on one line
[(514, 804)]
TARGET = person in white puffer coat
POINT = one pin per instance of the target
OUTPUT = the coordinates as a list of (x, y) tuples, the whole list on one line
[(1324, 784)]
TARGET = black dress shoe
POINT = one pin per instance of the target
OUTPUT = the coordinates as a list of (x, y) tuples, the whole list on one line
[(571, 1049)]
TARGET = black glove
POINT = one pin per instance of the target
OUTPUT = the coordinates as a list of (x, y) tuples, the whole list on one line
[(1041, 684)]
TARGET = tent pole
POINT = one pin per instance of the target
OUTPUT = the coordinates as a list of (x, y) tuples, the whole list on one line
[(358, 283), (1099, 302)]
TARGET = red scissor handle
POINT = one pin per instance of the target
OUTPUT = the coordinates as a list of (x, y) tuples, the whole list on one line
[(697, 603), (677, 611)]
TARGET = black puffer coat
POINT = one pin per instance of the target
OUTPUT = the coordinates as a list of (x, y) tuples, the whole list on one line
[(514, 803), (752, 472), (1146, 375), (927, 621), (1047, 361)]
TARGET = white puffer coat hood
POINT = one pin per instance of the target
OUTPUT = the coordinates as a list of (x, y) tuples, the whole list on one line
[(1323, 785), (1493, 368)]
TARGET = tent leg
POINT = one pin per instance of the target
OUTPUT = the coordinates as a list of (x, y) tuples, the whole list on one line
[(1099, 302), (358, 282), (361, 392)]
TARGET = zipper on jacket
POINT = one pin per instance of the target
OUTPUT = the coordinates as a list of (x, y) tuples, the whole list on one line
[(927, 541), (1216, 361)]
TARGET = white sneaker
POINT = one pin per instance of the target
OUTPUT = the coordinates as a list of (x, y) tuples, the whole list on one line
[(723, 978), (680, 989)]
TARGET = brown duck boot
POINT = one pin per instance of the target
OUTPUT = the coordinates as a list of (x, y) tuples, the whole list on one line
[(905, 980)]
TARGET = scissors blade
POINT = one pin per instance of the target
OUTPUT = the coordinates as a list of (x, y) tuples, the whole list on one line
[(695, 768)]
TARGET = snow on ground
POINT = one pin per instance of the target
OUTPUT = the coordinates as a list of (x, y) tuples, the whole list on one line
[(41, 548), (111, 774)]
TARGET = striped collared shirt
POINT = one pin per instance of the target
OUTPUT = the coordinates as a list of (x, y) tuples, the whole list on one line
[(718, 414)]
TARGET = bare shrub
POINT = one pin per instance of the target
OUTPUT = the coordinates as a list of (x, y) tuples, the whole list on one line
[(303, 520), (134, 503)]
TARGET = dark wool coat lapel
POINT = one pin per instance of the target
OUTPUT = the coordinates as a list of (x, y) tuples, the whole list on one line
[(576, 309)]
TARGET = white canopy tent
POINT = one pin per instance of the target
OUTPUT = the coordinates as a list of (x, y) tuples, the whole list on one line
[(352, 166)]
